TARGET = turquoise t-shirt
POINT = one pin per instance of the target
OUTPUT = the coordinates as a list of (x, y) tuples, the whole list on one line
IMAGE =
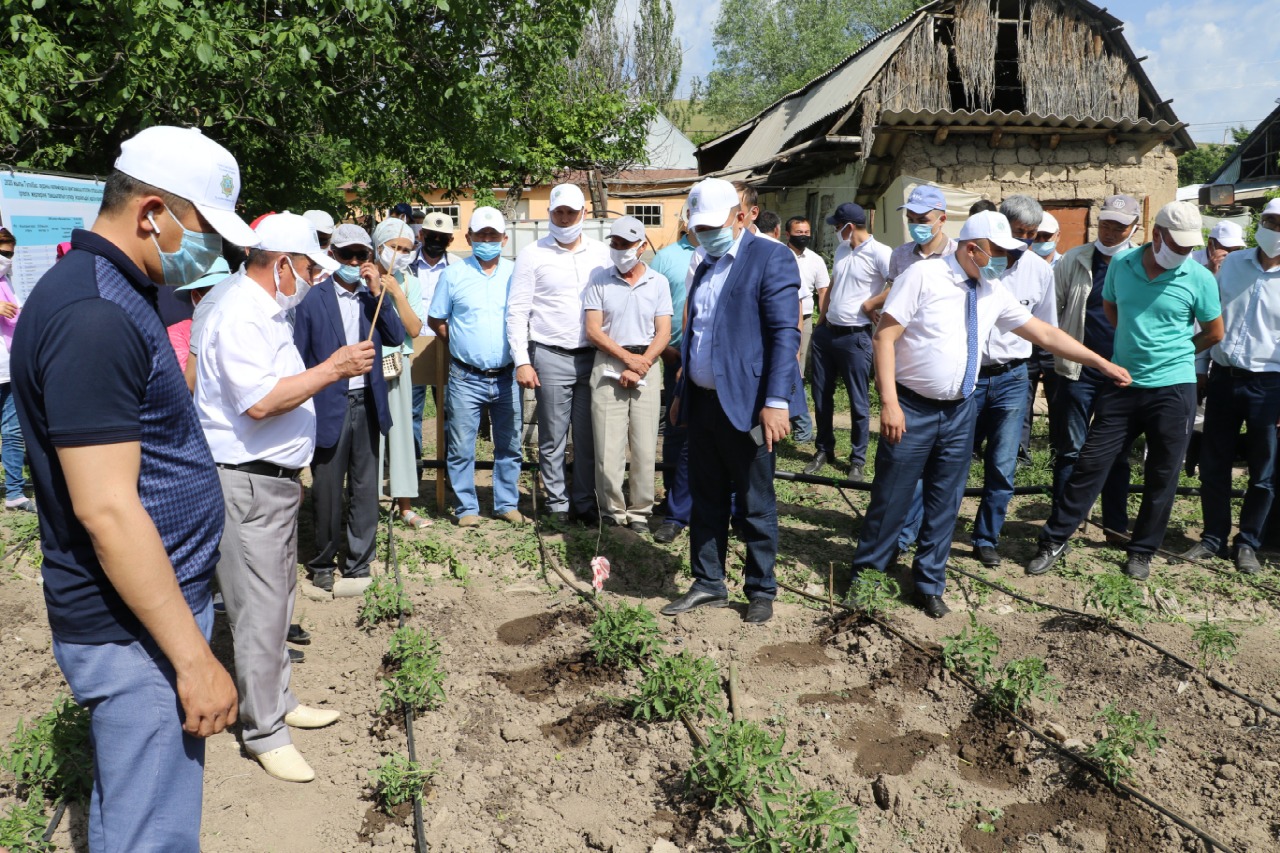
[(1156, 318)]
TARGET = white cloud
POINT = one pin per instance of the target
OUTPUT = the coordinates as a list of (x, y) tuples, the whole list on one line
[(695, 24)]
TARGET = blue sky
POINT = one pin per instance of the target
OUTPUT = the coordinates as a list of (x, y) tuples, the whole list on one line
[(1218, 59)]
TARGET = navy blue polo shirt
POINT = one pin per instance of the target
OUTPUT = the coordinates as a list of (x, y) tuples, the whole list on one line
[(92, 365)]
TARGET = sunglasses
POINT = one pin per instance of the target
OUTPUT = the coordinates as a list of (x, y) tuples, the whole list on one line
[(349, 253), (7, 253)]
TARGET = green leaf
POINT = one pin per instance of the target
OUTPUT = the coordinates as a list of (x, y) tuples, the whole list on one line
[(37, 5), (204, 53), (303, 53)]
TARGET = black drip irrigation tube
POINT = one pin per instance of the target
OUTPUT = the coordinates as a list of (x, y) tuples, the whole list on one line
[(393, 558)]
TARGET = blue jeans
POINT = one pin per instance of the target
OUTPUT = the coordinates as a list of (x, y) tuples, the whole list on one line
[(844, 356), (1002, 405), (723, 459), (467, 395), (675, 453), (148, 775), (1255, 402), (1069, 420), (13, 450), (936, 449)]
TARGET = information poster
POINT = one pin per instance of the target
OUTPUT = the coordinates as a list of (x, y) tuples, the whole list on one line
[(41, 211)]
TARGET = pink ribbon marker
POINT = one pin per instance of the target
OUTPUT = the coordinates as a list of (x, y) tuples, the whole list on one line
[(599, 572)]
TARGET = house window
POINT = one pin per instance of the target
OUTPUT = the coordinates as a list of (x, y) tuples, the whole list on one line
[(649, 214), (449, 210)]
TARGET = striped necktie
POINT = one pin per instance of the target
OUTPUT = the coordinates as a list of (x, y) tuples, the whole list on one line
[(971, 326)]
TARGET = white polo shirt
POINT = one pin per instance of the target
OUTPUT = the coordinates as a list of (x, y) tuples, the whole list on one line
[(1030, 281), (545, 302), (928, 299), (813, 277), (246, 348), (860, 273)]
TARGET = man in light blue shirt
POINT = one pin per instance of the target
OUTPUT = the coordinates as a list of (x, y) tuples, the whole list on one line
[(469, 310), (672, 262), (430, 262), (1244, 388)]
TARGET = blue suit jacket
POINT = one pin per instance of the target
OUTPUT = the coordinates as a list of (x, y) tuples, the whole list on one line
[(318, 334), (755, 335)]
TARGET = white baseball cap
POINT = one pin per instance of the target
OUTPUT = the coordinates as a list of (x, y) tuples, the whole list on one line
[(1228, 234), (710, 202), (319, 220), (1182, 220), (991, 225), (185, 162), (567, 195), (1272, 208), (289, 232), (489, 217), (437, 221), (1049, 224)]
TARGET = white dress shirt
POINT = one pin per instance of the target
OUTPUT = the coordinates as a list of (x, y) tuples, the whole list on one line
[(928, 300), (1250, 314), (1030, 281), (545, 303), (246, 348), (860, 273), (349, 310), (813, 277)]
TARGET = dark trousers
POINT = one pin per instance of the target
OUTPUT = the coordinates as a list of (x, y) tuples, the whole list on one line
[(1069, 420), (1164, 416), (353, 460), (675, 455), (1255, 402), (844, 356), (1039, 372), (722, 459), (935, 450)]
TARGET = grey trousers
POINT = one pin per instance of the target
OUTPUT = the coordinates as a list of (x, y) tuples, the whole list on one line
[(353, 461), (257, 571), (564, 400)]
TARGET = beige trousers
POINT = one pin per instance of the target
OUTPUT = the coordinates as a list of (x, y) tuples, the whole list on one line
[(625, 419)]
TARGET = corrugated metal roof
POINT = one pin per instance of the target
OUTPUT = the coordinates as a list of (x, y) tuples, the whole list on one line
[(967, 118), (831, 94)]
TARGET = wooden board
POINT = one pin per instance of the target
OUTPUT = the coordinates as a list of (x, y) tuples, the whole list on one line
[(430, 366)]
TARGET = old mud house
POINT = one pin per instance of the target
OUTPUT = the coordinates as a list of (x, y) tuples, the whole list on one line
[(983, 97)]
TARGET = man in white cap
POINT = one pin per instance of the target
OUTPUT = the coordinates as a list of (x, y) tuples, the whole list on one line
[(429, 263), (928, 348), (628, 316), (323, 223), (1045, 243), (739, 387), (469, 309), (253, 397), (130, 510), (1244, 387), (1225, 237), (548, 337), (1153, 298), (1040, 367)]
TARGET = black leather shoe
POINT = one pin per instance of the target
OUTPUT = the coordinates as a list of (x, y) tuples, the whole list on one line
[(323, 579), (932, 605), (590, 518), (299, 636), (759, 611), (1198, 551), (815, 465), (1247, 561), (296, 656), (1046, 557), (856, 475), (986, 555), (694, 599), (638, 527), (561, 518), (609, 520), (1138, 566), (667, 532)]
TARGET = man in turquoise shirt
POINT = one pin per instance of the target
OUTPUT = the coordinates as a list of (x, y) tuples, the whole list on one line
[(1154, 298)]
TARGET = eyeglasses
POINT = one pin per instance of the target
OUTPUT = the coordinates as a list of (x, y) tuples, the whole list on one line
[(350, 253)]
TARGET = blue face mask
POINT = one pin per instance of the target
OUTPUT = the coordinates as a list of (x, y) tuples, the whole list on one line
[(921, 234), (994, 268), (193, 258), (716, 241), (1044, 250), (347, 274), (486, 251)]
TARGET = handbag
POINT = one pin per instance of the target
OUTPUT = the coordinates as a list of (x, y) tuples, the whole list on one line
[(392, 366)]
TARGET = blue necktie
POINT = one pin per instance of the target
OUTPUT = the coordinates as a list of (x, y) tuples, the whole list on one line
[(971, 325)]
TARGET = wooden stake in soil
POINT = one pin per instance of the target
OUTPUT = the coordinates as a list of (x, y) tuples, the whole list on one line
[(831, 588), (734, 703)]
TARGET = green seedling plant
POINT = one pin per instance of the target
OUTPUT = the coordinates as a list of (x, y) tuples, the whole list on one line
[(875, 592), (993, 814), (416, 675), (1019, 681), (23, 825), (51, 755), (972, 651), (399, 780), (1115, 595), (675, 685), (793, 822), (1126, 733), (625, 636), (1214, 643), (739, 760), (384, 600)]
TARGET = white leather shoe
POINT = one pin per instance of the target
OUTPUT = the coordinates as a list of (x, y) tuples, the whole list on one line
[(286, 764), (306, 717)]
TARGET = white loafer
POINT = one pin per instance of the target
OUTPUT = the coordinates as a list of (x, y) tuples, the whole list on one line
[(306, 717), (286, 764)]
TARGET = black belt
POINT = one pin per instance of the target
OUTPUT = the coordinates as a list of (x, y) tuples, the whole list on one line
[(845, 330), (988, 370), (263, 469), (1239, 372), (907, 393), (565, 350), (638, 349), (488, 374)]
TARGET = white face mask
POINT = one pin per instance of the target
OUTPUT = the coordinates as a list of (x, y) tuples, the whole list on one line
[(300, 284), (394, 261), (1110, 250), (568, 234), (1167, 257), (625, 259), (6, 264), (1268, 241)]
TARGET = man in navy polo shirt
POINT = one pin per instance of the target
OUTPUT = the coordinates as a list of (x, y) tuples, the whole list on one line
[(130, 509)]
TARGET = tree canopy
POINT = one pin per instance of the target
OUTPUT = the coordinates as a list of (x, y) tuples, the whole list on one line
[(1198, 166), (391, 97)]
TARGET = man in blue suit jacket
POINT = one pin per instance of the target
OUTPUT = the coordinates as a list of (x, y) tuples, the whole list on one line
[(739, 388), (350, 415)]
